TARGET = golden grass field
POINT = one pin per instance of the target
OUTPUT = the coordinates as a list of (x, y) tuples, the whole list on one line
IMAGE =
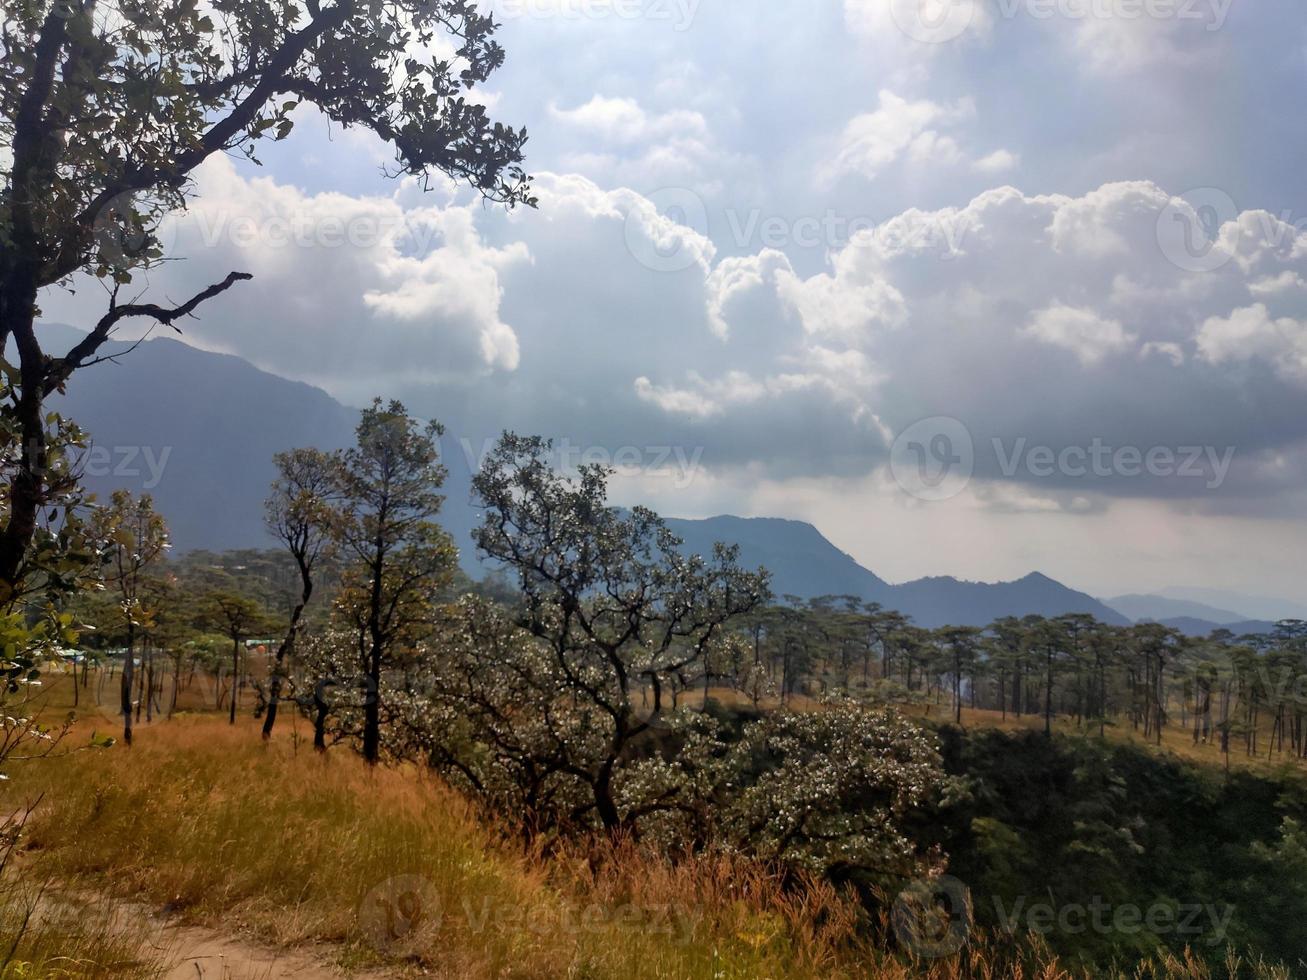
[(381, 872)]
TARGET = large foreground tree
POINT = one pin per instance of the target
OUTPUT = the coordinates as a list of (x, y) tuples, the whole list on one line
[(107, 107)]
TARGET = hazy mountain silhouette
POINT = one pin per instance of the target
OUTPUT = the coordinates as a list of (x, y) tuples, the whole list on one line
[(1248, 606), (801, 560), (198, 431), (1156, 607), (1202, 627)]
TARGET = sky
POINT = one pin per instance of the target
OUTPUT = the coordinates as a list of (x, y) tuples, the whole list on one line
[(978, 287)]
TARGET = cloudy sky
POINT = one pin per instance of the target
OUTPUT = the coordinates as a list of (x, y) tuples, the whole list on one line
[(977, 287)]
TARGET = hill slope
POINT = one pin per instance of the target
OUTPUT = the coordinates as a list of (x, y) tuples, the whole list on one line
[(198, 431), (952, 602), (1247, 606), (804, 563), (801, 560)]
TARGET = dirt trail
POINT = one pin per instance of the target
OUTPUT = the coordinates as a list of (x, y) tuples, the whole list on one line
[(205, 954), (189, 952)]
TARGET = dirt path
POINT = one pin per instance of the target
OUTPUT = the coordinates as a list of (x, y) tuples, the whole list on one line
[(188, 952), (205, 954)]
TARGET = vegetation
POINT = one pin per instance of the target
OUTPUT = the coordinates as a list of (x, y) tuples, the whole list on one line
[(647, 714), (1226, 693), (108, 108), (824, 766), (610, 758), (345, 835)]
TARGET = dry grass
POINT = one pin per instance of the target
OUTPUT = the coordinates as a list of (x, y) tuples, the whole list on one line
[(1176, 740), (205, 820), (206, 824), (41, 936)]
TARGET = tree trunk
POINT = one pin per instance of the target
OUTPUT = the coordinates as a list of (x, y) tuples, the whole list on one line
[(957, 690), (372, 710), (320, 709), (126, 686), (603, 795), (235, 676), (27, 488), (1048, 695), (149, 684), (287, 645)]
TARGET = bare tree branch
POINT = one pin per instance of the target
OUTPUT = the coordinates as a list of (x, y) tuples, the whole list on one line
[(61, 368)]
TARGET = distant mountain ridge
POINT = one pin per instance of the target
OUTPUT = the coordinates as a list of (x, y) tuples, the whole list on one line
[(1202, 627), (197, 430), (1189, 616), (802, 562), (1156, 607), (212, 422), (1247, 606), (805, 564)]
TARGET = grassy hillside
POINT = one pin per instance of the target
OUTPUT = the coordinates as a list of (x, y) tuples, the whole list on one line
[(388, 870), (277, 844)]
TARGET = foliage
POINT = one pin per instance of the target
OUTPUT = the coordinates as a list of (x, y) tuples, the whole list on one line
[(36, 623), (108, 107), (552, 713), (132, 536), (1069, 822), (386, 498), (298, 513), (610, 610)]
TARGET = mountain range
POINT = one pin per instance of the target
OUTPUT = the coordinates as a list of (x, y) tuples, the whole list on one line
[(1157, 608), (198, 430), (1190, 626), (1195, 618), (805, 564)]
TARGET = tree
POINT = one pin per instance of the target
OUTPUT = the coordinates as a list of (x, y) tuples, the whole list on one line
[(37, 604), (238, 618), (387, 501), (610, 606), (107, 107), (1154, 645), (963, 644), (133, 537), (825, 790), (298, 513)]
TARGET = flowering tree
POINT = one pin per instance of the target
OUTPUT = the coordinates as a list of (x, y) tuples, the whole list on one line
[(826, 790), (610, 609)]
